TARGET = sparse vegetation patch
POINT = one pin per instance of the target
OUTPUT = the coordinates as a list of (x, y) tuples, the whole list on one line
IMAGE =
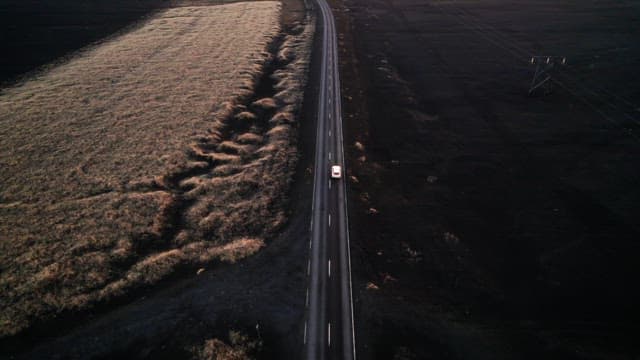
[(239, 347)]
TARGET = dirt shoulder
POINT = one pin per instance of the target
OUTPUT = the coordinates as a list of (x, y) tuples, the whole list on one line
[(486, 223)]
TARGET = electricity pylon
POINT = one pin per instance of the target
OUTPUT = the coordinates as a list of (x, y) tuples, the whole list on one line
[(543, 66)]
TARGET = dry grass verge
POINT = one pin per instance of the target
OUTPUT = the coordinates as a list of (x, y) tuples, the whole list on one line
[(239, 347), (135, 157)]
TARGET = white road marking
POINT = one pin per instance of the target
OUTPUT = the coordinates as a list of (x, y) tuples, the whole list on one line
[(329, 155), (308, 267), (329, 133), (329, 220), (329, 334), (329, 184), (305, 332), (306, 302), (329, 268)]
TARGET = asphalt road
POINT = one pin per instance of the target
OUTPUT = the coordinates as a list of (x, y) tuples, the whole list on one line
[(328, 331)]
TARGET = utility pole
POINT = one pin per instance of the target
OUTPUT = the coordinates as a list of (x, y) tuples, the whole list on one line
[(543, 66)]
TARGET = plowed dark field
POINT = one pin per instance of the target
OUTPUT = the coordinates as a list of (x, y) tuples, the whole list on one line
[(488, 223)]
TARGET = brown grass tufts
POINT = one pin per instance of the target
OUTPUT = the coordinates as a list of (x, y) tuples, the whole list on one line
[(226, 170), (282, 117), (155, 267), (231, 147), (249, 138), (222, 158), (265, 104), (246, 116), (280, 132), (239, 249), (238, 347), (225, 109)]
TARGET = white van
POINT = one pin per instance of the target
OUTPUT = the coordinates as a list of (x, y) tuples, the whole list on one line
[(336, 172)]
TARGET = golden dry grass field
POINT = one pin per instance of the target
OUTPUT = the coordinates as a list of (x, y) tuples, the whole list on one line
[(143, 153)]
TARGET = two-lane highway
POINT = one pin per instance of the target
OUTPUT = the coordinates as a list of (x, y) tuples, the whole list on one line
[(328, 330)]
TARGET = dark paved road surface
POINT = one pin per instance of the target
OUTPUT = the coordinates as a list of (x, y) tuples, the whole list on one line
[(328, 332)]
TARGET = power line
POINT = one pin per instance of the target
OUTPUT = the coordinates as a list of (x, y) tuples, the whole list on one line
[(544, 64), (489, 29), (542, 74)]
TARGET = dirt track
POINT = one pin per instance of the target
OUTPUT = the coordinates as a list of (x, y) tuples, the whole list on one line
[(487, 223)]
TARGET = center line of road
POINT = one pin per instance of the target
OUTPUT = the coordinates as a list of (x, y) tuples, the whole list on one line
[(308, 267), (329, 334), (329, 220), (329, 184), (329, 268), (329, 133), (305, 332), (329, 155), (306, 302)]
